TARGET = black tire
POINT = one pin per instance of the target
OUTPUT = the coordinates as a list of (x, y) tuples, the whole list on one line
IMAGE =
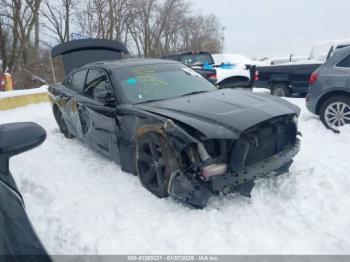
[(280, 90), (155, 163), (324, 111), (62, 124)]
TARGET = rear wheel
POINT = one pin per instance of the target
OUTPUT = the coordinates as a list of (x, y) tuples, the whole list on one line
[(280, 89), (62, 124), (335, 112), (155, 162)]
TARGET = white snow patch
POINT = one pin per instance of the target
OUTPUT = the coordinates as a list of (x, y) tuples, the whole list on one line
[(82, 203), (233, 58), (39, 90)]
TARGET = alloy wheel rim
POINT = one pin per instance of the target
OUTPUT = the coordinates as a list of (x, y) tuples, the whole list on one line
[(152, 167), (337, 114)]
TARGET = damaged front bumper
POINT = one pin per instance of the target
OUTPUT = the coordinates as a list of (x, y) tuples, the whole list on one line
[(224, 183), (189, 189)]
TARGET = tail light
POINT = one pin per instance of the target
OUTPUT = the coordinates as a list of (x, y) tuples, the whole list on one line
[(313, 78), (256, 75), (212, 76)]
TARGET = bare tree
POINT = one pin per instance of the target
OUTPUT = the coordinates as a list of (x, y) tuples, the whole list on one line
[(34, 5), (58, 18), (151, 27), (106, 19), (4, 41), (17, 22), (155, 24), (201, 34), (160, 27)]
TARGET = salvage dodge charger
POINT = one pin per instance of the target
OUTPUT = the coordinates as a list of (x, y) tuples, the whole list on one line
[(164, 122)]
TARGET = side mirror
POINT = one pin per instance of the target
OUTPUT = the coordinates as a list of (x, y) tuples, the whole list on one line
[(18, 239), (17, 138), (100, 95), (104, 94)]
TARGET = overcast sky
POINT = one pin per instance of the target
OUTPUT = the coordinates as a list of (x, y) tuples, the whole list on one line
[(259, 28)]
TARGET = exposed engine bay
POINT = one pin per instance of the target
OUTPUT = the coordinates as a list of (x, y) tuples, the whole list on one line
[(226, 166)]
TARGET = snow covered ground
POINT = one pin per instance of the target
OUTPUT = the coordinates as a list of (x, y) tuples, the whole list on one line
[(82, 203), (39, 90)]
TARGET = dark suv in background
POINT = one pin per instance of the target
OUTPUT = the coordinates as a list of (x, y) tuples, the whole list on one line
[(196, 60), (329, 91)]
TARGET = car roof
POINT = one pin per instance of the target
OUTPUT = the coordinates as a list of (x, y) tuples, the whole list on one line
[(121, 63), (345, 49), (338, 55), (186, 53)]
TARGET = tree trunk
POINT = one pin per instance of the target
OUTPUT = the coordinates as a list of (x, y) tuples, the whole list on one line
[(36, 36)]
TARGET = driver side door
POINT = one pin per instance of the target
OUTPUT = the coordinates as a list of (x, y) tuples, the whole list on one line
[(98, 121)]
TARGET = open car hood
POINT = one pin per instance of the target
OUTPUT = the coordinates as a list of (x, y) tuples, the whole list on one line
[(222, 114), (77, 53)]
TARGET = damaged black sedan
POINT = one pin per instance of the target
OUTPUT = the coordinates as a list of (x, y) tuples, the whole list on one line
[(181, 135)]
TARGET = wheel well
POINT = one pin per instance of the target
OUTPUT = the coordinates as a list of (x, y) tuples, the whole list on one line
[(272, 83), (234, 78), (328, 95)]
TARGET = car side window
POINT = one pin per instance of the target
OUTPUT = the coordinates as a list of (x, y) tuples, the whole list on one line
[(78, 81), (68, 81), (345, 62), (95, 79)]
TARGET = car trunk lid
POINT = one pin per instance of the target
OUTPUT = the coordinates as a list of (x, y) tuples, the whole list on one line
[(80, 52)]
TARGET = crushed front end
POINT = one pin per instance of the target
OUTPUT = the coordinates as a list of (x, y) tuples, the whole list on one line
[(227, 166)]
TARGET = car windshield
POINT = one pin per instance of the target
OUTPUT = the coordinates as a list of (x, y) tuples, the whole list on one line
[(196, 59), (147, 83)]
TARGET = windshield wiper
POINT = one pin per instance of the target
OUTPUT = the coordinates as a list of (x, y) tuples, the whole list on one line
[(161, 99), (151, 100), (194, 93)]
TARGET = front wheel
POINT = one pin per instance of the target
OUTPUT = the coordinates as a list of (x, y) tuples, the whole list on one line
[(335, 112), (62, 125), (155, 162)]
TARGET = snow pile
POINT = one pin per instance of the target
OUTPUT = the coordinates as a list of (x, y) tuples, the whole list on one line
[(321, 49), (82, 203), (232, 58), (39, 90)]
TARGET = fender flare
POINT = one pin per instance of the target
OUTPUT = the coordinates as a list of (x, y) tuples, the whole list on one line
[(325, 96)]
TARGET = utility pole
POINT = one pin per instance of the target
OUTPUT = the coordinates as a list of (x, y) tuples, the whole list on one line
[(222, 39)]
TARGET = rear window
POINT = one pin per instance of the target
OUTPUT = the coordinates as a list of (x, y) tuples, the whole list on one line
[(345, 62), (78, 81), (95, 78), (196, 59)]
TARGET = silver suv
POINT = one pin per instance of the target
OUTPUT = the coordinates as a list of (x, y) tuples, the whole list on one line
[(329, 90)]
